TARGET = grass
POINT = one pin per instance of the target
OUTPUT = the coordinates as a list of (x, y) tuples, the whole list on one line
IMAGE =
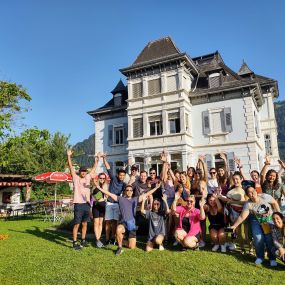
[(36, 254)]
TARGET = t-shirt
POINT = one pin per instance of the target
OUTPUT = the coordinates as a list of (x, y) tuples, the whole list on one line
[(169, 189), (275, 193), (158, 193), (194, 219), (127, 208), (236, 194), (156, 224), (116, 186), (262, 210), (81, 190), (212, 185), (139, 188)]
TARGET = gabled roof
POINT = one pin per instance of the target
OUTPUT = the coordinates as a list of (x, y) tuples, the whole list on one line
[(157, 49), (120, 88), (244, 69)]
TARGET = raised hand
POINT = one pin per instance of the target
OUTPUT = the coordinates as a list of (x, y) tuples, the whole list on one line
[(69, 152), (202, 203), (163, 156), (177, 196), (103, 154), (164, 197), (237, 161), (282, 163), (267, 160), (130, 162), (201, 157), (223, 156)]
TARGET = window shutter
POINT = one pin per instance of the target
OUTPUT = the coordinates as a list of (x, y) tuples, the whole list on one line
[(172, 83), (231, 162), (117, 100), (206, 122), (125, 133), (214, 80), (110, 135), (154, 86), (208, 161), (138, 128), (228, 120), (137, 90), (154, 118), (173, 116)]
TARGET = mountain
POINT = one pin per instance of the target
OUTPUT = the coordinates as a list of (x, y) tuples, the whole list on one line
[(84, 152), (280, 116)]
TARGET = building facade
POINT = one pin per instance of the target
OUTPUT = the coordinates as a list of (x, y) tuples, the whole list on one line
[(187, 107)]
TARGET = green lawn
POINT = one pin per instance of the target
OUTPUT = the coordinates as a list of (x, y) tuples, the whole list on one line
[(35, 254)]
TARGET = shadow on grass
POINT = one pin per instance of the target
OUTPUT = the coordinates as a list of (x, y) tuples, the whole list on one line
[(46, 234)]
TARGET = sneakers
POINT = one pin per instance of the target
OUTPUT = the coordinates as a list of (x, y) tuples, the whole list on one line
[(259, 261), (223, 248), (231, 246), (84, 243), (119, 251), (273, 263), (76, 246), (202, 243), (99, 244), (175, 243), (161, 247), (215, 247)]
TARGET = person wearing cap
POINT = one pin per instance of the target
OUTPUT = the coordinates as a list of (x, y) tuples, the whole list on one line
[(134, 174), (127, 223), (81, 199)]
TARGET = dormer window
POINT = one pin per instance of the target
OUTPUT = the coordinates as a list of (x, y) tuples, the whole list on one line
[(214, 80), (117, 99)]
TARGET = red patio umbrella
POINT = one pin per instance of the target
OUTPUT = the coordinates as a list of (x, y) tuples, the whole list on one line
[(54, 177)]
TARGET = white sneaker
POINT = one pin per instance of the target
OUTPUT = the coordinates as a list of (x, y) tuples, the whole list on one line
[(202, 243), (215, 247), (175, 243), (273, 263), (231, 246), (223, 248), (161, 247), (258, 261)]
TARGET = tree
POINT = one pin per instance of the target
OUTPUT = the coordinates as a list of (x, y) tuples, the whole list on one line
[(11, 98)]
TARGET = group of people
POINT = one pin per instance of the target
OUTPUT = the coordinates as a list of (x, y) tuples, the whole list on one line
[(174, 206)]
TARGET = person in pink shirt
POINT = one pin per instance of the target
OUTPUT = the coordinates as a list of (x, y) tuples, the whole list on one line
[(188, 230), (81, 200)]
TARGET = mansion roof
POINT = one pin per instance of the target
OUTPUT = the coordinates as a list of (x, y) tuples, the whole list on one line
[(156, 55)]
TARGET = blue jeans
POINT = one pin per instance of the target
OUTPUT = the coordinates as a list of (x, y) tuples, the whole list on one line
[(260, 239)]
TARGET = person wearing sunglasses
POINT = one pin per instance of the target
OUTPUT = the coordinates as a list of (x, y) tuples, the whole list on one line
[(98, 206), (152, 180), (127, 224), (188, 230), (212, 184), (156, 218)]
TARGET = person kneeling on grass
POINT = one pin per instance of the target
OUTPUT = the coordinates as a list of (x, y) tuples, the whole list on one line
[(188, 230), (127, 223), (156, 219)]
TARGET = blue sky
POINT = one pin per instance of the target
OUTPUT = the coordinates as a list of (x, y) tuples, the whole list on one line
[(68, 53)]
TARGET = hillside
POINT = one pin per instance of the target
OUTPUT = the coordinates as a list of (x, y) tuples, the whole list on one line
[(86, 147), (280, 116), (84, 152)]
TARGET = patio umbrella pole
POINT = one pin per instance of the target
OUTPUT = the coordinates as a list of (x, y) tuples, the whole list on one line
[(54, 208)]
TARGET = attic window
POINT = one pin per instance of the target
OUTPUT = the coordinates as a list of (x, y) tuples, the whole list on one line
[(214, 80), (118, 99)]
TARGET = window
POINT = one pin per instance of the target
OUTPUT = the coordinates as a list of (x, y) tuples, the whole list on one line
[(139, 161), (217, 121), (138, 128), (137, 90), (118, 99), (186, 122), (174, 122), (119, 135), (154, 86), (172, 83), (267, 143), (155, 125), (214, 80)]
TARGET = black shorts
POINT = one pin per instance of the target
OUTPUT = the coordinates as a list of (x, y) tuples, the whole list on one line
[(216, 227), (98, 209), (81, 213), (129, 234)]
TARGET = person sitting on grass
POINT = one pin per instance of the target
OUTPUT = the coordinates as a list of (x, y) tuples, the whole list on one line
[(156, 219), (188, 230), (215, 212), (127, 224), (259, 209), (81, 200), (278, 235)]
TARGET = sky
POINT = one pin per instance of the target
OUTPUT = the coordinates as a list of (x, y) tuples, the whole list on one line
[(67, 53)]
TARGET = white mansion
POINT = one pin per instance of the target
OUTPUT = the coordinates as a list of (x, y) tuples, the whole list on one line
[(188, 107)]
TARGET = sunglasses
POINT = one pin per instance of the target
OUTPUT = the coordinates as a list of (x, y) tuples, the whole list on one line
[(102, 178), (156, 204), (190, 201), (152, 173), (131, 190), (213, 172)]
